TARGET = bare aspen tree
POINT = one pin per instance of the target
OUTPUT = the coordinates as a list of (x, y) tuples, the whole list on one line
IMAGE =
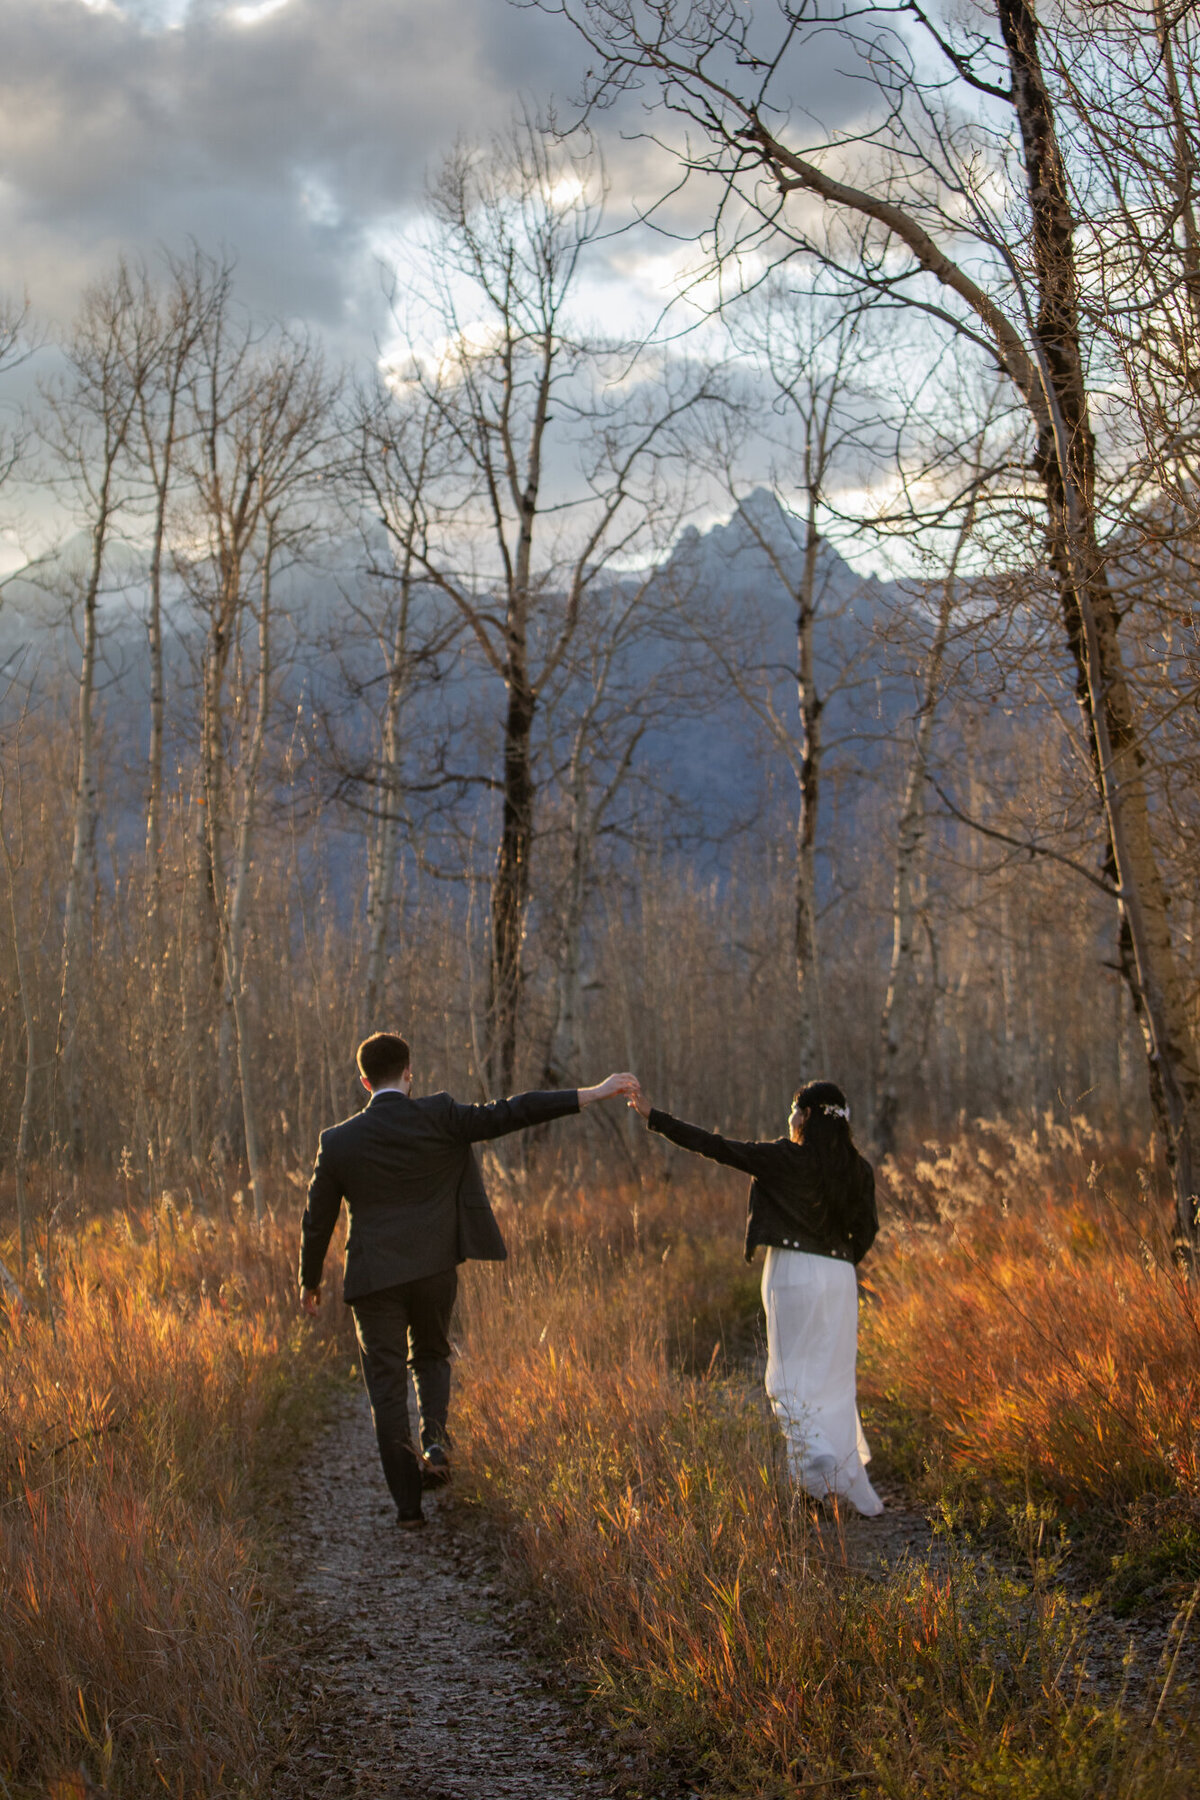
[(12, 846), (175, 314), (616, 686), (975, 468), (895, 1024), (90, 416), (799, 421), (588, 804), (514, 225), (401, 456), (531, 403), (13, 832), (564, 1056), (256, 453), (168, 309), (924, 180)]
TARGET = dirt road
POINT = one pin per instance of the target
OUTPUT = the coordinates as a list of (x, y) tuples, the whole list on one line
[(412, 1680)]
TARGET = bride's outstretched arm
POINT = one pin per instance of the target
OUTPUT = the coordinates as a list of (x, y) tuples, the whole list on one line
[(736, 1153)]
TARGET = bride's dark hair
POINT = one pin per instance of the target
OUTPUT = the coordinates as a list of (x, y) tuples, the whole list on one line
[(826, 1131)]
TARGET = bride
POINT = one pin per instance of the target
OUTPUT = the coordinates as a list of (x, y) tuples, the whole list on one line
[(812, 1203)]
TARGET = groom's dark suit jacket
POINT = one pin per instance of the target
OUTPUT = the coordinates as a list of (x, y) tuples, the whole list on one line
[(412, 1186)]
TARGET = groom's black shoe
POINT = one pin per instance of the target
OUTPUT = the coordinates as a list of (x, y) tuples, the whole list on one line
[(410, 1521), (435, 1467)]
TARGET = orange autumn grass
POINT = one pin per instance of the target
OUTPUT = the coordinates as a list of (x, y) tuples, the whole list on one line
[(1033, 1329), (640, 1475), (154, 1377), (650, 1508)]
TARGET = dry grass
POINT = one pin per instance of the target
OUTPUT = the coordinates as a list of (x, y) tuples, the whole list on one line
[(1033, 1338), (1027, 1342), (649, 1506), (159, 1377)]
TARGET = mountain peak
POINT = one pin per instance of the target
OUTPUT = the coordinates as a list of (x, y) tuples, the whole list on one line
[(759, 548)]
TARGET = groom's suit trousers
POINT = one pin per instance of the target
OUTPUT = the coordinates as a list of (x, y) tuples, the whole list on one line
[(401, 1328)]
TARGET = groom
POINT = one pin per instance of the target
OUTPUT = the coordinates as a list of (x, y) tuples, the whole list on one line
[(417, 1208)]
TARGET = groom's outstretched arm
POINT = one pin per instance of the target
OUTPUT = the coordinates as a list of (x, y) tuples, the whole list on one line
[(475, 1124)]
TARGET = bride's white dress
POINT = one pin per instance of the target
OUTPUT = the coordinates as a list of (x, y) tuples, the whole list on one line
[(811, 1303)]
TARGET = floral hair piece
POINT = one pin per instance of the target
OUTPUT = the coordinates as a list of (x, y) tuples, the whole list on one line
[(837, 1112)]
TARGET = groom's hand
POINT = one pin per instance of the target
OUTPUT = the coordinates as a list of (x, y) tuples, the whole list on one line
[(310, 1301), (604, 1090), (639, 1102)]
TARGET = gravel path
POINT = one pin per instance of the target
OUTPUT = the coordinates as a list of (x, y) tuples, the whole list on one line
[(411, 1681)]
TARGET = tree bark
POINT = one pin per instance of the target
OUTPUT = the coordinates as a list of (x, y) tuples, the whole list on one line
[(154, 627), (1066, 461), (25, 1120), (565, 1061), (234, 916), (510, 887), (381, 881), (81, 879), (213, 831), (896, 1021), (381, 872), (196, 303), (811, 1045)]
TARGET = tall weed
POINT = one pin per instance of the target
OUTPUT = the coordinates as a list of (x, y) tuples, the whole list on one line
[(650, 1506), (160, 1378), (1031, 1336)]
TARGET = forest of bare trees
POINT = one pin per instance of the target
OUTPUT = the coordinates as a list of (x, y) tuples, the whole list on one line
[(812, 691)]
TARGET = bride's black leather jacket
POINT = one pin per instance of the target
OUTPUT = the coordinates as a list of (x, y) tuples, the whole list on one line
[(786, 1207)]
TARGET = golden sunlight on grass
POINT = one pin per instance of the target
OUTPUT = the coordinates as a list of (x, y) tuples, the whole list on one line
[(650, 1505), (139, 1406), (1033, 1335), (1030, 1367)]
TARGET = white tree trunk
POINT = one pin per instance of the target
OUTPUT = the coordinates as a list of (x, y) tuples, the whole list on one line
[(811, 1046), (381, 869), (81, 879), (235, 913), (154, 785), (565, 1062), (896, 1020), (25, 1121)]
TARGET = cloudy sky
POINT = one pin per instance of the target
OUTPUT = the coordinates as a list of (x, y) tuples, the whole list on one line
[(295, 133)]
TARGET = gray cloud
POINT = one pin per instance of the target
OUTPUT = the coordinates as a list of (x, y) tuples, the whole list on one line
[(125, 124), (282, 140)]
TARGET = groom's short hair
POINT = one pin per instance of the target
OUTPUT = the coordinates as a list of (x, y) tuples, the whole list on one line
[(382, 1057)]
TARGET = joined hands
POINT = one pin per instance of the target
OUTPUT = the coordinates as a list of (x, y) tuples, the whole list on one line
[(604, 1090), (626, 1084)]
